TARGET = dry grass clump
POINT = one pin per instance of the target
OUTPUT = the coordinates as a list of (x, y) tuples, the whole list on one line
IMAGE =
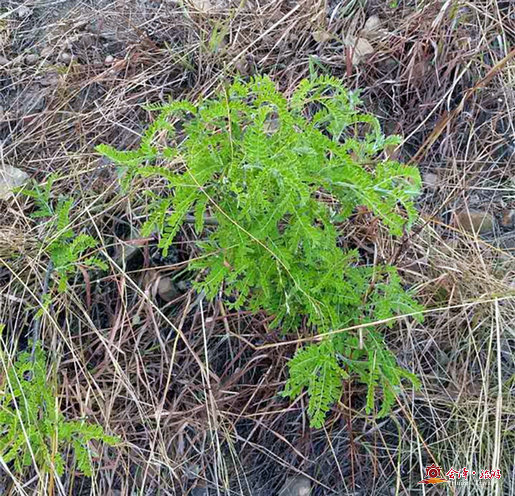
[(191, 388)]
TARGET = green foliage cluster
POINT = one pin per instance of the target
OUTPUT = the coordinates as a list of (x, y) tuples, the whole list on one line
[(32, 428), (280, 175), (64, 246)]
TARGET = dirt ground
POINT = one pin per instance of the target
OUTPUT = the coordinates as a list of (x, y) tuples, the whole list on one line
[(75, 74)]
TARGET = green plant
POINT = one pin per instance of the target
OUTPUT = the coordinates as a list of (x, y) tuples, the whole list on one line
[(280, 175), (64, 247), (32, 428)]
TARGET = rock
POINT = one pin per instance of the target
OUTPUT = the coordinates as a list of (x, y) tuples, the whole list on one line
[(167, 289), (508, 218), (361, 48), (109, 60), (296, 485), (65, 57), (46, 52), (321, 36), (23, 12), (474, 222), (372, 28), (430, 181), (10, 178), (204, 5), (31, 58), (4, 61), (373, 23)]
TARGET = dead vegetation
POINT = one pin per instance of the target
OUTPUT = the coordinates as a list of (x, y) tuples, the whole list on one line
[(191, 388)]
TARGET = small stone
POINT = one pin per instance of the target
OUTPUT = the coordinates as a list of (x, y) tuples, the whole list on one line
[(23, 12), (361, 48), (474, 222), (508, 218), (46, 52), (296, 485), (203, 5), (373, 23), (109, 60), (31, 58), (10, 178), (4, 61), (372, 28), (430, 181), (167, 289), (65, 57), (321, 36)]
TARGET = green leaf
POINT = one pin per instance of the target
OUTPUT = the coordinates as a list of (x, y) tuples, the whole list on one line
[(280, 173)]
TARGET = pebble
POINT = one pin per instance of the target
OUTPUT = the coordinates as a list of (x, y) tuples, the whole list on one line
[(296, 485), (474, 222), (373, 23), (23, 12), (65, 57), (167, 289), (361, 48), (46, 52), (430, 181), (109, 60), (10, 178), (508, 218), (31, 58), (322, 36), (372, 28)]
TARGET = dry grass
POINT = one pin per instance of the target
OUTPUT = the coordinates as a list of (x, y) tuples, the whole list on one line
[(192, 389)]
